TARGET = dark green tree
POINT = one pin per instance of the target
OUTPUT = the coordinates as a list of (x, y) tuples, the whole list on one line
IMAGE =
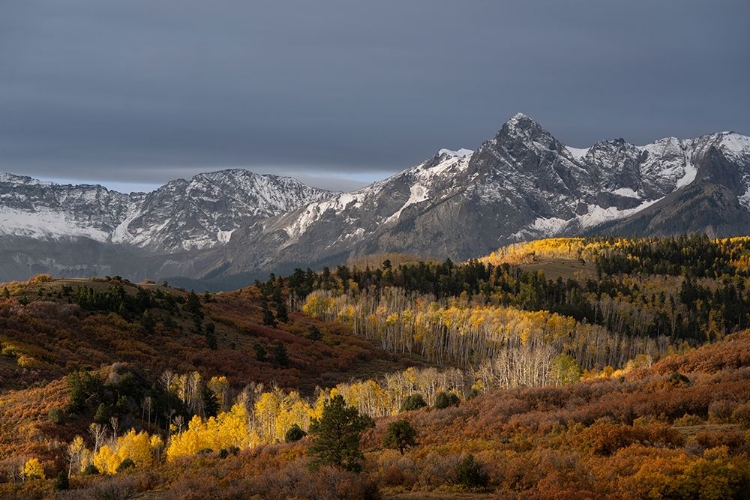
[(211, 404), (280, 356), (62, 482), (295, 433), (148, 322), (400, 435), (446, 399), (125, 465), (413, 402), (471, 474), (193, 304), (336, 436), (281, 312), (260, 352), (314, 333), (268, 317), (210, 332), (102, 415)]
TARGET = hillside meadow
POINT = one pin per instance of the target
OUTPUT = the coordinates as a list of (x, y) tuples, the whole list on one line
[(568, 368)]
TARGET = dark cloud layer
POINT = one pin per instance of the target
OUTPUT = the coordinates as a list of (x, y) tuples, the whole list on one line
[(150, 90)]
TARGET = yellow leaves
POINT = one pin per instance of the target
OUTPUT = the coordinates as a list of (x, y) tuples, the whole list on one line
[(138, 447), (106, 460), (222, 432), (76, 446), (32, 469)]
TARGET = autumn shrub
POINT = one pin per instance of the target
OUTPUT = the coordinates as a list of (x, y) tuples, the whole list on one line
[(56, 415), (295, 480), (606, 438), (688, 420), (734, 441), (720, 411), (741, 415), (189, 487), (436, 469), (109, 488)]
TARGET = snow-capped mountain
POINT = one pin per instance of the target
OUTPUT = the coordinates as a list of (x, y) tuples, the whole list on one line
[(181, 215), (523, 184), (85, 230)]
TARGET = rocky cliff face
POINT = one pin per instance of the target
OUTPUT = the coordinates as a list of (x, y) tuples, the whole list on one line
[(522, 184)]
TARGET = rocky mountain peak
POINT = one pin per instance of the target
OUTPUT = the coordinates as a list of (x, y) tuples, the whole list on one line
[(522, 184), (522, 134)]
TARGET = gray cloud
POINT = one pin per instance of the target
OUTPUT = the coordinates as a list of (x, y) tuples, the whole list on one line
[(149, 90)]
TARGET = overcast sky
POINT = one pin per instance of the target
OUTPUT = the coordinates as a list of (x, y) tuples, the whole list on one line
[(133, 93)]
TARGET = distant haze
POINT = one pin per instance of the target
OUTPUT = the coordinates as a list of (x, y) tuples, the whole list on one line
[(340, 93)]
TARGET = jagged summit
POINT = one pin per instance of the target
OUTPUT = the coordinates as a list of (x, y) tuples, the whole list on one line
[(181, 215), (523, 184)]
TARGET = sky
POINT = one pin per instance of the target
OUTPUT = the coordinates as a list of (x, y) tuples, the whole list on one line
[(132, 94)]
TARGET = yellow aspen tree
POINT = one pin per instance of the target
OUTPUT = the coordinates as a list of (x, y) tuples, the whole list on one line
[(136, 447), (106, 460), (32, 469), (74, 454)]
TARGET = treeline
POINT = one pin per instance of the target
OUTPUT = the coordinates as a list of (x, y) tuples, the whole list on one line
[(687, 288), (696, 256)]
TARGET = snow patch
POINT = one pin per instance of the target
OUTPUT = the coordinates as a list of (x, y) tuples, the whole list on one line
[(417, 194), (689, 176), (734, 145), (597, 215), (550, 226), (224, 236), (626, 192), (461, 153), (45, 224), (577, 153), (744, 199)]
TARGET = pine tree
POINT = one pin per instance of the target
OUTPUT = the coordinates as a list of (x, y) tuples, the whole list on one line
[(211, 341), (400, 436), (260, 352), (268, 318), (336, 436), (280, 356), (281, 312), (211, 404)]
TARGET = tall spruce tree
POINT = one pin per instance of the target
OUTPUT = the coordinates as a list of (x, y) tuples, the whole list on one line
[(336, 436)]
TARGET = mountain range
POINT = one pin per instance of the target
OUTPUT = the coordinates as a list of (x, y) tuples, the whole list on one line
[(224, 228)]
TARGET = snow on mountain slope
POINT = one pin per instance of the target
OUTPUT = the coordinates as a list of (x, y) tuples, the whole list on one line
[(521, 184), (181, 215)]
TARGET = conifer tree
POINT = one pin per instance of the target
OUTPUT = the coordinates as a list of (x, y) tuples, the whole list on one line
[(400, 436), (336, 436)]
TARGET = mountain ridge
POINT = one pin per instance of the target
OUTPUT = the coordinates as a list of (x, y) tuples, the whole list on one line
[(522, 184)]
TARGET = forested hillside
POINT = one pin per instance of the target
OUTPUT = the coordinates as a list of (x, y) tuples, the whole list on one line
[(586, 368)]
